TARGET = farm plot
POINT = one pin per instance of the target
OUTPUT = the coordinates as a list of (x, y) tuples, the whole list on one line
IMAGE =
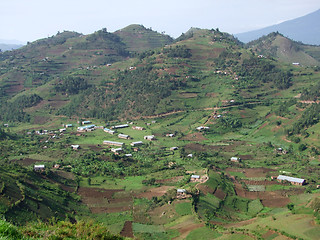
[(101, 200)]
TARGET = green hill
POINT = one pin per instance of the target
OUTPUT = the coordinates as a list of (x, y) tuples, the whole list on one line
[(138, 38), (205, 98), (285, 50)]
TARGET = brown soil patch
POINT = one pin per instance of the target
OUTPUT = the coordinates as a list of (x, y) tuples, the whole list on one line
[(97, 192), (14, 88), (268, 199), (219, 194), (252, 172), (246, 157), (198, 136), (97, 210), (205, 189), (154, 192), (127, 230), (27, 161), (185, 230)]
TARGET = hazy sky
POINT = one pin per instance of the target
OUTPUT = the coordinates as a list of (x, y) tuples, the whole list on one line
[(28, 20)]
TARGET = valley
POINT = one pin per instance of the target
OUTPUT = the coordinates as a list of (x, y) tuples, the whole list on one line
[(158, 138)]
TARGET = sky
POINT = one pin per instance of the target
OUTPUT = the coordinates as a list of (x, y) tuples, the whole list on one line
[(29, 20)]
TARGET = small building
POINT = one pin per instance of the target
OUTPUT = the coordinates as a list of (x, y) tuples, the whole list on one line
[(68, 125), (138, 128), (170, 135), (86, 122), (62, 130), (153, 121), (75, 147), (87, 128), (120, 126), (190, 155), (181, 193), (235, 159), (6, 125), (107, 130), (173, 148), (116, 150), (38, 168), (112, 143), (128, 155), (123, 136), (133, 144), (56, 166), (195, 178), (292, 180), (201, 128), (149, 137)]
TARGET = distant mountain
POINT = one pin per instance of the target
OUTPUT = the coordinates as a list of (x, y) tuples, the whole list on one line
[(305, 29), (8, 47), (138, 38), (275, 45)]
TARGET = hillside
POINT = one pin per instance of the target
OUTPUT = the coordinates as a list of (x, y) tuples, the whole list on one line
[(184, 141), (302, 29), (138, 39), (275, 45)]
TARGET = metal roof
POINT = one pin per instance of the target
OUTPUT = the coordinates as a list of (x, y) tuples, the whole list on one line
[(290, 179)]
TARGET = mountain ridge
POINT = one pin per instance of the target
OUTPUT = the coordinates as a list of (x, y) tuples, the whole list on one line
[(308, 31)]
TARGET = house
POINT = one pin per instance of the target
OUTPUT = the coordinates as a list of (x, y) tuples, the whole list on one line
[(235, 159), (202, 128), (281, 151), (133, 144), (292, 180), (195, 178), (181, 193), (149, 137), (138, 128), (170, 135), (86, 122), (38, 168), (120, 126), (116, 150), (107, 130), (87, 128), (111, 143), (56, 166), (75, 147), (173, 148), (123, 136)]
